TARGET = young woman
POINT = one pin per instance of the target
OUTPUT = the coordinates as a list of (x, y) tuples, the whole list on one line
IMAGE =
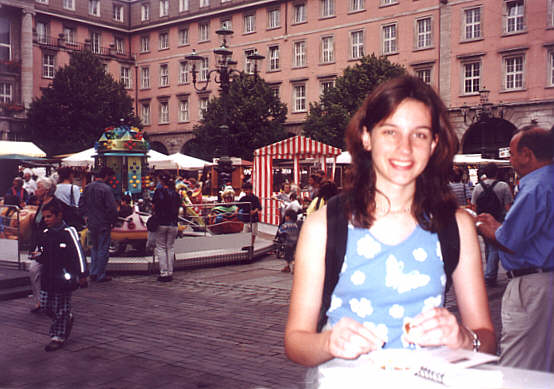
[(402, 148)]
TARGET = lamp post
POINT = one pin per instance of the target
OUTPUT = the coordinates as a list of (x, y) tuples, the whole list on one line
[(222, 76), (482, 114)]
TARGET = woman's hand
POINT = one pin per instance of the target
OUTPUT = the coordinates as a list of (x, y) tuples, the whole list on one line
[(348, 339), (436, 327)]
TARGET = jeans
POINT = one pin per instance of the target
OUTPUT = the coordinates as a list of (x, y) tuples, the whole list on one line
[(100, 254), (491, 269), (165, 248)]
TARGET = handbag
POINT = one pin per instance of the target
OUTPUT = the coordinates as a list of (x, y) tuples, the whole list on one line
[(152, 223)]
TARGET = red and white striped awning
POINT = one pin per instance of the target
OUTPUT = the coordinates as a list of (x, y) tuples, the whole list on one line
[(296, 148)]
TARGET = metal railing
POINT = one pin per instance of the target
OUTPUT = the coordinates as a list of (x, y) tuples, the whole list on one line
[(10, 223)]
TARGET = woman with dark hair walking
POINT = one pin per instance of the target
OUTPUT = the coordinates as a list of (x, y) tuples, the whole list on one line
[(392, 280), (165, 207)]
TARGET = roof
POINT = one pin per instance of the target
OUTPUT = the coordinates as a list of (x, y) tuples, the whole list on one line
[(297, 146)]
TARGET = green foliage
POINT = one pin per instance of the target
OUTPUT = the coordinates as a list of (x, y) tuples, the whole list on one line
[(255, 118), (328, 118), (80, 102)]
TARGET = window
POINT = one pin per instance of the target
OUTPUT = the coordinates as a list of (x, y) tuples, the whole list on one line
[(94, 7), (327, 49), (203, 31), (423, 33), (184, 36), (424, 75), (184, 110), (249, 23), (513, 72), (299, 97), (69, 35), (227, 24), (5, 41), (5, 92), (69, 4), (42, 1), (183, 72), (145, 114), (356, 5), (95, 42), (144, 44), (273, 18), (145, 12), (472, 20), (472, 77), (275, 91), (118, 13), (48, 66), (389, 39), (325, 85), (388, 2), (249, 64), (145, 77), (204, 69), (299, 13), (183, 5), (164, 40), (327, 8), (551, 70), (164, 75), (274, 58), (42, 32), (203, 107), (515, 16), (299, 54), (164, 8), (204, 3), (164, 112), (357, 44), (126, 76), (119, 46)]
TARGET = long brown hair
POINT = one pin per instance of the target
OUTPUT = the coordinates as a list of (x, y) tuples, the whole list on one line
[(433, 202)]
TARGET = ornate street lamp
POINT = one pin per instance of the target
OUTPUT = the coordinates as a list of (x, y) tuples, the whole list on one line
[(222, 76), (484, 111)]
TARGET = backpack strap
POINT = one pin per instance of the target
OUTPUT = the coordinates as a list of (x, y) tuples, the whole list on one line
[(449, 239), (337, 233)]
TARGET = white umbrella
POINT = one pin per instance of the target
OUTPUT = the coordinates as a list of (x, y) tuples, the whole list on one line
[(85, 158), (187, 162), (27, 149)]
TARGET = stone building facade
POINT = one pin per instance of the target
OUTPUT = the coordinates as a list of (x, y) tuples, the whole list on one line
[(463, 48)]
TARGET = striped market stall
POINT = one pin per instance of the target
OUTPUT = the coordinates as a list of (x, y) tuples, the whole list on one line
[(296, 149)]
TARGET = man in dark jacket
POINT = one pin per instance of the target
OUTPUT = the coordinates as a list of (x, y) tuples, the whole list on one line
[(97, 204)]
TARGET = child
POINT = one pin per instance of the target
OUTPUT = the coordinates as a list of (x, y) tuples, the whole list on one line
[(63, 260), (290, 229)]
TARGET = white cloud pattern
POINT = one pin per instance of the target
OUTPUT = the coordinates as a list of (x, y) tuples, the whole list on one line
[(400, 281), (368, 247), (381, 330), (432, 302), (396, 311), (336, 302), (362, 307), (439, 251), (344, 265), (419, 254), (443, 279), (357, 278)]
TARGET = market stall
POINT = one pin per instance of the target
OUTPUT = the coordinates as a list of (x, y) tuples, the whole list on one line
[(296, 149)]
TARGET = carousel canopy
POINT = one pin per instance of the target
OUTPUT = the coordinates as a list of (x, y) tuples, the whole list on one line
[(123, 138)]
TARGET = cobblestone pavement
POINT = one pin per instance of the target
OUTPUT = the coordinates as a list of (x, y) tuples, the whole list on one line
[(209, 328)]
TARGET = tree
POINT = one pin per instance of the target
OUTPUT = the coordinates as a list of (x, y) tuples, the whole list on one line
[(254, 115), (80, 102), (328, 118)]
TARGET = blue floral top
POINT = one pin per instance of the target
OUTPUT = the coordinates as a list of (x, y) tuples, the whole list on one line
[(383, 286)]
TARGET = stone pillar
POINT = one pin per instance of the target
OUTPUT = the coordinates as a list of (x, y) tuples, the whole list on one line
[(27, 57)]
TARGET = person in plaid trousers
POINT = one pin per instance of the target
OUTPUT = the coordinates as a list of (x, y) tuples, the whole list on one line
[(62, 258)]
